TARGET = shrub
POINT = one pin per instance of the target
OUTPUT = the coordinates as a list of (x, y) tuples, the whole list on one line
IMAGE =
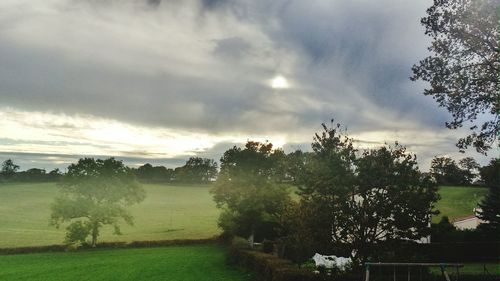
[(240, 243), (267, 267)]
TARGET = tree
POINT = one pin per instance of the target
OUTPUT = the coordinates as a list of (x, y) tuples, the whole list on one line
[(197, 170), (490, 174), (364, 202), (469, 168), (294, 165), (54, 175), (490, 205), (249, 190), (446, 172), (150, 173), (33, 174), (95, 193), (9, 169), (463, 68)]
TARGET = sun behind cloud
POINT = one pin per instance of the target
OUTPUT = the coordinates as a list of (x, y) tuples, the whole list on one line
[(279, 82)]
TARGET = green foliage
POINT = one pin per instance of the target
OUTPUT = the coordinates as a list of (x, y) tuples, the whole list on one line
[(95, 193), (77, 232), (446, 172), (490, 174), (490, 206), (366, 201), (240, 243), (197, 170), (490, 211), (267, 267), (463, 67), (148, 173), (186, 263), (469, 168), (9, 169), (249, 189)]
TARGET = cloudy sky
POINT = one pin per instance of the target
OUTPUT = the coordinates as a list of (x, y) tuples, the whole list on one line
[(159, 81)]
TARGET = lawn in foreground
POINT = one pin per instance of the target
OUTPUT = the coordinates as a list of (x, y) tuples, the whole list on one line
[(168, 212), (458, 201), (206, 262)]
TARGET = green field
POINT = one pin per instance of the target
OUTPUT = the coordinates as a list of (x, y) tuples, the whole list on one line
[(169, 263), (458, 201), (169, 212)]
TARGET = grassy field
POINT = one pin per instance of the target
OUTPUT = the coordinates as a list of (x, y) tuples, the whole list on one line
[(169, 212), (169, 263), (458, 201)]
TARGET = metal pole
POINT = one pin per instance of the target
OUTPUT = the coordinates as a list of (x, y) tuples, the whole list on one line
[(367, 277)]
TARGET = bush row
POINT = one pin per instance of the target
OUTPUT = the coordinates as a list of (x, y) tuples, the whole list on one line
[(108, 245), (267, 267)]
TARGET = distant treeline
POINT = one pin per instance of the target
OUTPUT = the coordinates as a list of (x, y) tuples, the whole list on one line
[(196, 170), (444, 170)]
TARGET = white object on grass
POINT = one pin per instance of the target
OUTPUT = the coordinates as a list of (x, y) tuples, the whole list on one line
[(331, 261)]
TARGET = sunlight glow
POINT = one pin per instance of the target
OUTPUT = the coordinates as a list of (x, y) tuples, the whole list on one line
[(279, 82), (39, 132)]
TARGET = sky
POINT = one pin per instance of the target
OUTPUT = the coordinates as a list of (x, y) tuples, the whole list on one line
[(152, 81)]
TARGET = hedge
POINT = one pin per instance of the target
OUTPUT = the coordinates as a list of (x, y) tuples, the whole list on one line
[(108, 245), (267, 267)]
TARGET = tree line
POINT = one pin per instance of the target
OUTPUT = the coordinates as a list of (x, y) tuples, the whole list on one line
[(446, 171), (196, 170), (443, 170)]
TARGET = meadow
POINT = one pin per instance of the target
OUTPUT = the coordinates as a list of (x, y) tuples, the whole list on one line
[(184, 263), (169, 212), (458, 201)]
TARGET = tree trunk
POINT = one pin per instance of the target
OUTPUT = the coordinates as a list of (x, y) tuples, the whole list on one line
[(95, 233)]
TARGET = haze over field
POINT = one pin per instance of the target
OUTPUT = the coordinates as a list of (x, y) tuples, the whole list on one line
[(159, 81)]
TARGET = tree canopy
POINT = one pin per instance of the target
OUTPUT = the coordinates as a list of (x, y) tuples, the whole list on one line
[(197, 170), (463, 67), (149, 173), (8, 169), (362, 201), (94, 193), (249, 190), (490, 205)]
